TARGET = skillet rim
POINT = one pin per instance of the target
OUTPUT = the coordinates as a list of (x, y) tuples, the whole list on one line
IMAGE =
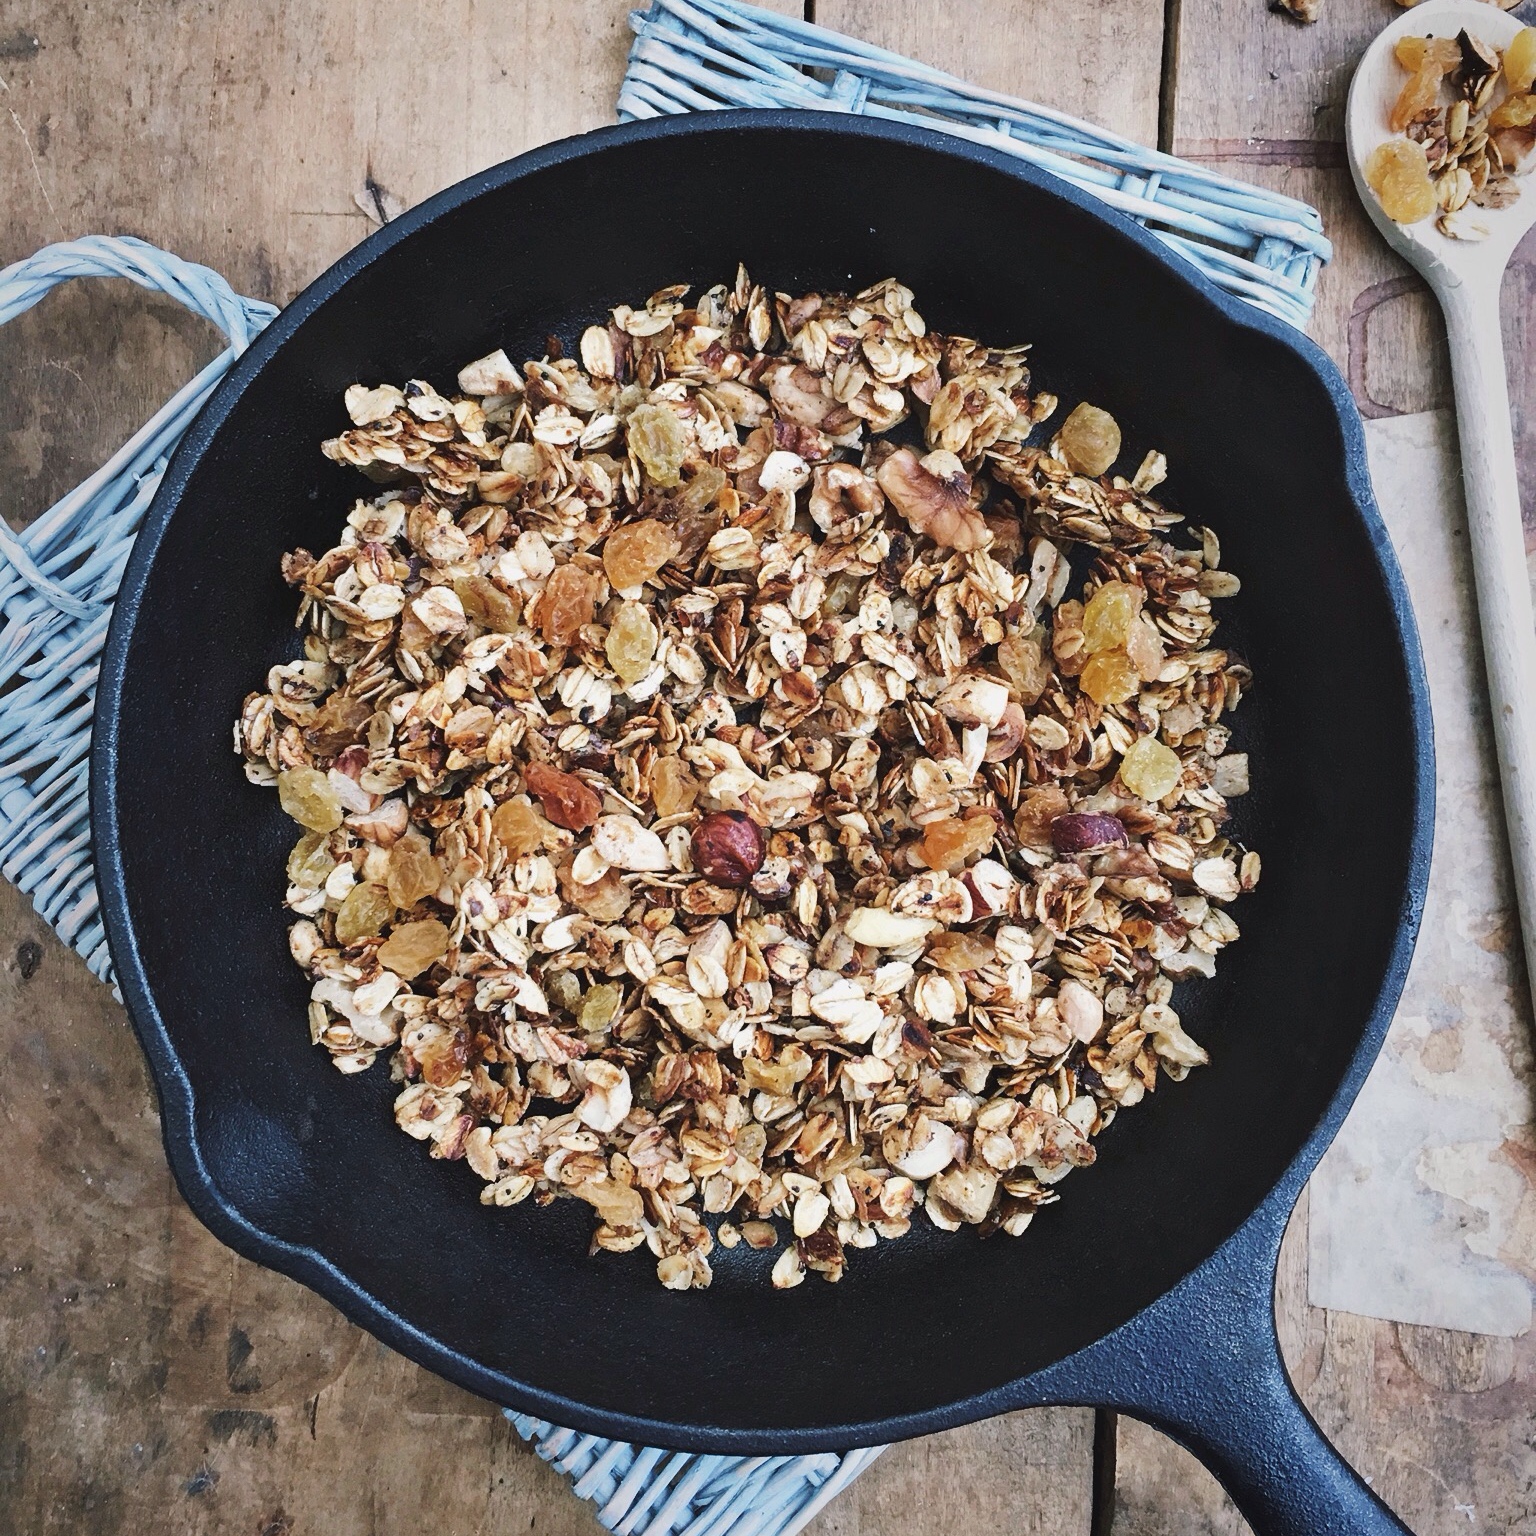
[(222, 1215)]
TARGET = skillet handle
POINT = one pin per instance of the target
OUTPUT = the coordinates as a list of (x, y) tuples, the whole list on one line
[(1203, 1365), (1252, 1431)]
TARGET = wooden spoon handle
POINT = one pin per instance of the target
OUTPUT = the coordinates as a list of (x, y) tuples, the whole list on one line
[(1498, 563)]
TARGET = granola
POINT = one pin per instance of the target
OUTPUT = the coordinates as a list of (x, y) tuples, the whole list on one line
[(743, 777), (1465, 152)]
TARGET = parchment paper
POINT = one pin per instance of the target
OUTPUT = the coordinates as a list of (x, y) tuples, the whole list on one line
[(1423, 1211)]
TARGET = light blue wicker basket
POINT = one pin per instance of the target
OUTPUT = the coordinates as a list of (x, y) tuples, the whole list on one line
[(59, 576)]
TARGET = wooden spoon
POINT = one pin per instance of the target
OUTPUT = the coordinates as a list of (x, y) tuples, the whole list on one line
[(1466, 276)]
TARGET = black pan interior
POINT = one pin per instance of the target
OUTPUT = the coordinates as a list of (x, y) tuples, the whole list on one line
[(303, 1168)]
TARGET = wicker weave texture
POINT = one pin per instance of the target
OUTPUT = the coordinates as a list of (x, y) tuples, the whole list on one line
[(640, 1491), (57, 581)]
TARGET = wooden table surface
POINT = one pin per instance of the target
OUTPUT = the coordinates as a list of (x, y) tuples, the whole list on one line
[(149, 1379)]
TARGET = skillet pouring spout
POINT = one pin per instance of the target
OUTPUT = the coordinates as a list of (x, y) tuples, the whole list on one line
[(1148, 1286)]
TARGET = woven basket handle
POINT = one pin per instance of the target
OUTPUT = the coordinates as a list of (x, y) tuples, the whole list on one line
[(197, 288)]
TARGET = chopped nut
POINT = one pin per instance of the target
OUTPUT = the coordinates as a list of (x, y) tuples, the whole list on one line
[(881, 929), (492, 374), (622, 842), (607, 1098), (1086, 833), (936, 504)]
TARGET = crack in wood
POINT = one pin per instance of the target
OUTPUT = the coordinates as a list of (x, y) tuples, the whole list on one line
[(1314, 154)]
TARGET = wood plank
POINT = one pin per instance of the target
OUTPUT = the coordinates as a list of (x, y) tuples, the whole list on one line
[(1263, 96), (1101, 62), (240, 138), (149, 1378), (152, 1380), (1441, 1422), (244, 137), (1029, 1473), (1248, 74)]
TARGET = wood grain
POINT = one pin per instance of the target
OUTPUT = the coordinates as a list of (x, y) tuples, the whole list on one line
[(1029, 1473), (1263, 96), (149, 1378), (1098, 61)]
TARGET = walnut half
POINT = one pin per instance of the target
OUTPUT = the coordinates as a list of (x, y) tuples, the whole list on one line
[(934, 495)]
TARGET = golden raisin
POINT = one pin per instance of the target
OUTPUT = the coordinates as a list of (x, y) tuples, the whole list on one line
[(631, 642), (412, 947), (442, 1058), (1513, 112), (1090, 438), (568, 801), (607, 899), (634, 553), (311, 861), (952, 950), (1411, 52), (567, 604), (1398, 173), (1110, 678), (673, 788), (486, 604), (1025, 664), (517, 827), (1039, 810), (656, 438), (363, 913), (1149, 769), (700, 491), (1110, 616), (563, 990), (1420, 93), (337, 724), (307, 796), (1520, 60), (950, 844), (598, 1008), (413, 872)]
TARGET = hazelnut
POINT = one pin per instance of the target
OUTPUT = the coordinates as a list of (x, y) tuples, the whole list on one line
[(1083, 833), (728, 848)]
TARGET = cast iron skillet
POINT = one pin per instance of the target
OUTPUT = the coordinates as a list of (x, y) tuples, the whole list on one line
[(1149, 1288)]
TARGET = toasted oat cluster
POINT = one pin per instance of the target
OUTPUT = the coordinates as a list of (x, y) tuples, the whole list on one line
[(717, 809), (1467, 151)]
